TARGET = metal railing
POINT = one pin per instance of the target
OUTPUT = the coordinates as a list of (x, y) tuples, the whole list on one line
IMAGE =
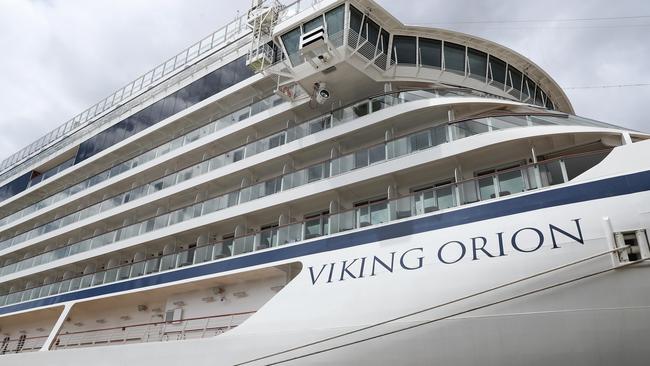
[(199, 50), (485, 187), (21, 344), (215, 123), (162, 331), (172, 66), (337, 117)]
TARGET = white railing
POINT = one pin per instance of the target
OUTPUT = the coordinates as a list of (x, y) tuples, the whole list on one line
[(172, 66), (161, 331)]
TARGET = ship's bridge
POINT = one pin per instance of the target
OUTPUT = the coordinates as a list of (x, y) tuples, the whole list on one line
[(337, 42)]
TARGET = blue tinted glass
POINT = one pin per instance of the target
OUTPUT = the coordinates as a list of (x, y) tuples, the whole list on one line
[(431, 52), (404, 50), (197, 91), (454, 57), (498, 68)]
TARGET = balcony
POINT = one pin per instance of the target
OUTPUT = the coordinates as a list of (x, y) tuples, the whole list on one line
[(485, 187)]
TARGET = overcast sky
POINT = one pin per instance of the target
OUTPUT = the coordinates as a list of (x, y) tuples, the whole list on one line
[(59, 57)]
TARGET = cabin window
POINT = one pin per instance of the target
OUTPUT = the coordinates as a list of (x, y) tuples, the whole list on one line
[(454, 57), (430, 52), (497, 70), (477, 63), (334, 19), (404, 50)]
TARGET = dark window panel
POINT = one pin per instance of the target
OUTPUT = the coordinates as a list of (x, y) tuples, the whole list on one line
[(404, 50), (334, 19), (549, 103), (371, 31), (431, 52), (15, 186), (197, 91), (355, 19), (384, 42), (312, 24), (291, 42), (528, 88), (539, 98), (168, 106), (515, 78), (477, 63), (454, 57), (498, 70)]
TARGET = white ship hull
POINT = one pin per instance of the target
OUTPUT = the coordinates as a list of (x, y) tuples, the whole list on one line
[(510, 285)]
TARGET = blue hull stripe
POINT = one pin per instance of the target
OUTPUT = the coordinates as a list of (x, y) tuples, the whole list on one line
[(610, 187)]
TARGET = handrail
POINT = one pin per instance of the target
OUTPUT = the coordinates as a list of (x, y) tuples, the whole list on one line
[(328, 217), (458, 90), (216, 41), (9, 242), (234, 191), (197, 51), (213, 119), (123, 327)]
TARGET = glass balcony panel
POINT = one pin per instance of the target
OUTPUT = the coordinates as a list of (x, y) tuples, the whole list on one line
[(551, 173), (469, 192), (511, 182), (137, 269), (203, 254), (45, 291), (34, 293), (267, 239), (86, 281), (123, 272), (313, 228), (167, 262), (445, 197), (579, 164), (98, 278), (294, 233), (342, 221), (111, 275), (342, 116), (74, 283), (223, 249), (363, 214), (161, 221), (184, 258), (379, 213), (486, 187), (361, 109)]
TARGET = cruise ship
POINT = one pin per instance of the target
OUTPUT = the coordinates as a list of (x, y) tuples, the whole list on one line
[(318, 183)]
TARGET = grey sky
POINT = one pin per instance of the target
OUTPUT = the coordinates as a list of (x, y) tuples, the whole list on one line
[(61, 56)]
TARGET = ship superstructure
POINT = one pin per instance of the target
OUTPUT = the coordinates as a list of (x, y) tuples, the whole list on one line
[(332, 186)]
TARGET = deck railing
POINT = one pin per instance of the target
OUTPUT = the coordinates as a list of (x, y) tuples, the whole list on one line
[(497, 184), (161, 331), (21, 344)]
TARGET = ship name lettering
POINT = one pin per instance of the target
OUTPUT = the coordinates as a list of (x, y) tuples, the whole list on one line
[(527, 240)]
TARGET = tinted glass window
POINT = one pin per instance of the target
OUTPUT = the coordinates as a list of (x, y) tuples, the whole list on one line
[(15, 186), (477, 63), (431, 52), (515, 78), (371, 31), (291, 42), (454, 57), (195, 92), (355, 19), (529, 87), (383, 42), (312, 24), (334, 19), (404, 50), (498, 68)]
